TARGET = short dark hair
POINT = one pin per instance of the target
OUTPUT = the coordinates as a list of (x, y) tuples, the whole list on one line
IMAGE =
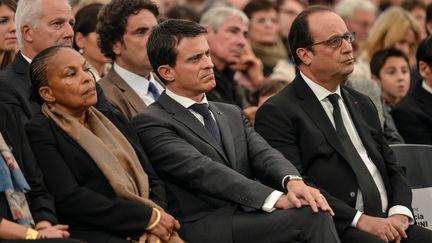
[(299, 35), (183, 12), (112, 21), (86, 20), (424, 51), (164, 39), (38, 70), (258, 5), (380, 57)]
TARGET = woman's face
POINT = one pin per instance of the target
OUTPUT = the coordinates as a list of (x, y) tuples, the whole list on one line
[(264, 27), (287, 13), (395, 78), (7, 29), (407, 43), (91, 50), (71, 86)]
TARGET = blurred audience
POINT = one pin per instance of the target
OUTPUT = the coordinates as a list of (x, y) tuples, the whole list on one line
[(418, 10), (77, 5), (359, 16), (91, 160), (8, 44), (396, 28), (413, 114), (86, 40), (227, 29), (264, 33), (429, 19), (129, 86), (183, 12)]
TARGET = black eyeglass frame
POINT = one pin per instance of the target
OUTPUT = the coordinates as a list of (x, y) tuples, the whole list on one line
[(336, 41)]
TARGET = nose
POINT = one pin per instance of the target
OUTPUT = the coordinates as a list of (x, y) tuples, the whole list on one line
[(208, 63), (346, 46), (12, 27), (69, 32)]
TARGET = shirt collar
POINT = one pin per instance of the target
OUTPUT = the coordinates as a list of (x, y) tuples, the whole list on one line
[(320, 92), (131, 78), (426, 87), (26, 58), (184, 101)]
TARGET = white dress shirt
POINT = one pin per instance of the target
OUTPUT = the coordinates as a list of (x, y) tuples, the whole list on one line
[(321, 93), (186, 102), (139, 84)]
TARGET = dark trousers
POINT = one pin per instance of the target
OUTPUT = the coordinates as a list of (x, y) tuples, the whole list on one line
[(416, 234), (283, 226), (96, 237), (42, 241)]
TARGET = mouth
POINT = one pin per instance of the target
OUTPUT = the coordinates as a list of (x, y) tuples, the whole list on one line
[(348, 61), (89, 92), (208, 75)]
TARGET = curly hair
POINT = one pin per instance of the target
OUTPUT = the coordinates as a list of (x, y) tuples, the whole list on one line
[(112, 21)]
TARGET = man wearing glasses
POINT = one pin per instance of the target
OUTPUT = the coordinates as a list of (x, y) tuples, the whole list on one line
[(333, 136)]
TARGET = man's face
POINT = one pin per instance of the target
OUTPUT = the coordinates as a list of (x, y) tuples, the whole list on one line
[(361, 23), (55, 27), (193, 73), (131, 52), (324, 62), (228, 42)]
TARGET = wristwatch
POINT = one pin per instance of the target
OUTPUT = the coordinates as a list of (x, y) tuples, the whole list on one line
[(31, 234), (291, 178)]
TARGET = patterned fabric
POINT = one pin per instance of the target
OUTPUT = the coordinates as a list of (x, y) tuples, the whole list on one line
[(14, 185)]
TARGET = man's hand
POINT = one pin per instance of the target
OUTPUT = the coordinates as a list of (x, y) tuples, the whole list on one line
[(250, 66), (299, 194), (382, 228), (401, 223)]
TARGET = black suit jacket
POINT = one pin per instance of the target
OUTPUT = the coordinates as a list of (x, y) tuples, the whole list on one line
[(40, 202), (295, 123), (206, 183), (15, 89), (84, 198), (413, 116)]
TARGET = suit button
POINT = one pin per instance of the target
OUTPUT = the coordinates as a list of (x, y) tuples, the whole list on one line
[(352, 194)]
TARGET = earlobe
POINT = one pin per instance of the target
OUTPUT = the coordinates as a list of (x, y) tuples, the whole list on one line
[(46, 94), (79, 40), (116, 48)]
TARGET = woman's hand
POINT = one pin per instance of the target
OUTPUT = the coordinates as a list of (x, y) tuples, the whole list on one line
[(164, 229), (56, 231), (149, 238)]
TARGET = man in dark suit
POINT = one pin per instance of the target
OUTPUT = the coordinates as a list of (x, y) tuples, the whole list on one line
[(333, 136), (413, 114), (40, 24), (211, 159), (130, 85)]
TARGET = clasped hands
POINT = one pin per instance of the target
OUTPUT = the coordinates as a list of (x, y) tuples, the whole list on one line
[(391, 229), (299, 195), (47, 230), (162, 230)]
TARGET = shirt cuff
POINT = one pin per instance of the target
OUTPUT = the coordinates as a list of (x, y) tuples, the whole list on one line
[(356, 219), (270, 201), (283, 181), (399, 209)]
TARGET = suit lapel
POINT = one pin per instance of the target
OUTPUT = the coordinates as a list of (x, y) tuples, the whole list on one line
[(312, 106), (132, 97), (424, 98), (226, 133), (185, 117)]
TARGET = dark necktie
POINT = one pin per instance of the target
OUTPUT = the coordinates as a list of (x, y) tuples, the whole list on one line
[(209, 122), (371, 196), (153, 90)]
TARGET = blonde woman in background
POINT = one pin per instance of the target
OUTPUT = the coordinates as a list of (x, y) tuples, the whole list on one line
[(396, 28), (7, 32)]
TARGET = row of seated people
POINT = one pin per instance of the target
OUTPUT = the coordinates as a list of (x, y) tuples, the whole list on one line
[(209, 169)]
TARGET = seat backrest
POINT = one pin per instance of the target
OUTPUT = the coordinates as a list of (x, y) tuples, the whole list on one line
[(417, 159)]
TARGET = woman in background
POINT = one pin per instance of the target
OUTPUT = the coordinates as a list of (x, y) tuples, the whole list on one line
[(8, 42), (86, 39)]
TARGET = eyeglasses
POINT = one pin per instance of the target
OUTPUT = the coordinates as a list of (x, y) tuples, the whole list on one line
[(336, 41)]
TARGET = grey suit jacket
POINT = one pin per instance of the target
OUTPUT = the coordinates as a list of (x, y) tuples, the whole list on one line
[(207, 183)]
